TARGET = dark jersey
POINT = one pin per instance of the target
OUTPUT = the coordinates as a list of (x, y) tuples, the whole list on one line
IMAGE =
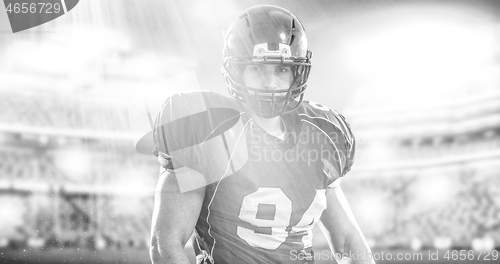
[(264, 208)]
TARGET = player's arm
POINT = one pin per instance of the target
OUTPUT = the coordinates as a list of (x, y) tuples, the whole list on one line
[(341, 229), (174, 217)]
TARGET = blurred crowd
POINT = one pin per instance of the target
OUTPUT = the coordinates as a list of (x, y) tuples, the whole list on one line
[(101, 196), (63, 111), (471, 143), (455, 203)]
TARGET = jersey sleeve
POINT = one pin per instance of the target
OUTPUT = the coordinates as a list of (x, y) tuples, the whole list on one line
[(348, 140), (339, 132)]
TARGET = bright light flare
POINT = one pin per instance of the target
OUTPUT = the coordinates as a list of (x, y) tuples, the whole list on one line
[(434, 190), (423, 56), (73, 162), (132, 184), (12, 215), (374, 152), (372, 211), (134, 181), (71, 49), (432, 49)]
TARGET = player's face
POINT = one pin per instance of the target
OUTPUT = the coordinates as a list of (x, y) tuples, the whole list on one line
[(267, 77)]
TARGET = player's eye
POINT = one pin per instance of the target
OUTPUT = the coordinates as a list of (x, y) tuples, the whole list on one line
[(282, 69)]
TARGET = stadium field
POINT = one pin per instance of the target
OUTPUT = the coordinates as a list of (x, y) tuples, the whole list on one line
[(76, 256)]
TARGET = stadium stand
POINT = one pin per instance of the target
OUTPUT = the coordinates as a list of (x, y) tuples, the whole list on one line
[(434, 187), (436, 174)]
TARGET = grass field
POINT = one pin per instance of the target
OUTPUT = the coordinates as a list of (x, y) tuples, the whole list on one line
[(60, 256)]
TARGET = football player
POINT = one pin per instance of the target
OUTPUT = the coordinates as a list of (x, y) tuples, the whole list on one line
[(253, 174)]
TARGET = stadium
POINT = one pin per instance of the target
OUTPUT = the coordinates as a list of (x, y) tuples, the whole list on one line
[(76, 94)]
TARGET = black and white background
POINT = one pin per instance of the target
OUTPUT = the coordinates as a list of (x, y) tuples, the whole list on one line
[(419, 82)]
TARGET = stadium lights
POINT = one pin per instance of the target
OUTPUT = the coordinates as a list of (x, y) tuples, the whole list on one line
[(12, 215), (34, 242), (416, 244), (442, 242), (43, 139), (74, 58), (433, 190), (73, 162), (372, 208), (131, 181), (61, 141), (4, 137), (376, 151), (4, 242), (483, 244)]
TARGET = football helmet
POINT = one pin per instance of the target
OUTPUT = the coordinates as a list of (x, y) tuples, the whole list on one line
[(272, 35)]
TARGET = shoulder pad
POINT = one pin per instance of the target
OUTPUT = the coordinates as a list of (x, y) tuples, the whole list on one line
[(196, 130), (188, 119), (333, 123)]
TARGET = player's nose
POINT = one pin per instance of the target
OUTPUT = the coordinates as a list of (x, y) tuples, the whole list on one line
[(270, 80)]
